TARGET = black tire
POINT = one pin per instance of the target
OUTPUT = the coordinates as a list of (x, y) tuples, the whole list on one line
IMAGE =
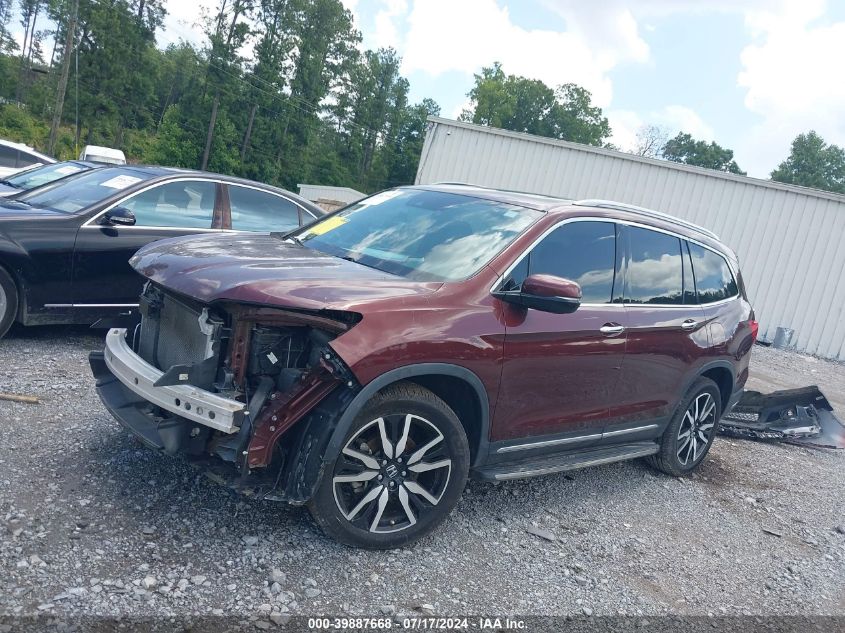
[(400, 485), (686, 441), (8, 302)]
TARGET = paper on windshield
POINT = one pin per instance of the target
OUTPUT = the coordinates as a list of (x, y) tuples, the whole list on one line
[(120, 182), (327, 225), (67, 169)]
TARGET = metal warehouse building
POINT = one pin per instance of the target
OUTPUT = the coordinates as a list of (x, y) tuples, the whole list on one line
[(789, 239)]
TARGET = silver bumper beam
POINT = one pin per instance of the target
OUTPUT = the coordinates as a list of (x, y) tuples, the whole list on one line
[(187, 401)]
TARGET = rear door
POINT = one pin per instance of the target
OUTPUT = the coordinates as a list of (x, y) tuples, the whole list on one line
[(561, 370), (666, 332), (102, 275)]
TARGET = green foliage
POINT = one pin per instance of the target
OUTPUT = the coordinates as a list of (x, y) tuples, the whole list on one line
[(685, 149), (17, 124), (813, 163), (528, 105)]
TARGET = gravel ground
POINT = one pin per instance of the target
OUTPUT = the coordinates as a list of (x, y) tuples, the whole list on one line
[(92, 523)]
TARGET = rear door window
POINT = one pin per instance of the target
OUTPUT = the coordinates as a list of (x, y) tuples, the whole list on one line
[(584, 252), (181, 204), (8, 156), (655, 268), (713, 277), (25, 159), (261, 212)]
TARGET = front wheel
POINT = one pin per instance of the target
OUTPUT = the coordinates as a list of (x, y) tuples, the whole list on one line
[(400, 472), (690, 433)]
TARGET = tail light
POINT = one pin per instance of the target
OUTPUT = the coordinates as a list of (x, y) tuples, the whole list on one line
[(755, 328)]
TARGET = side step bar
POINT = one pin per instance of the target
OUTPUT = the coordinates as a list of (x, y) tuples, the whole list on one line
[(570, 461)]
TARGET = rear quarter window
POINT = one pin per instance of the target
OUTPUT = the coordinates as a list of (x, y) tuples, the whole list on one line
[(714, 280)]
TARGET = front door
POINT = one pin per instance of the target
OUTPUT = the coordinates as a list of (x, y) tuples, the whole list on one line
[(102, 275), (560, 371)]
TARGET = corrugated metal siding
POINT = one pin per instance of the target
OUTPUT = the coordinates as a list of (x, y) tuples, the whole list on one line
[(789, 239)]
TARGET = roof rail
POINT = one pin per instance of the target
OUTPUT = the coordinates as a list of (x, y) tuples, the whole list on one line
[(651, 213)]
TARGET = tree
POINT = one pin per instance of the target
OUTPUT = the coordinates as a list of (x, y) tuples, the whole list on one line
[(651, 140), (528, 105), (685, 149), (813, 163)]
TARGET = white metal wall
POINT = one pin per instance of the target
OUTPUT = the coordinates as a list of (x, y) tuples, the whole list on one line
[(789, 239), (326, 192)]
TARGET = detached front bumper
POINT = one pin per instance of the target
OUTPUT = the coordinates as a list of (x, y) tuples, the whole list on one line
[(126, 385)]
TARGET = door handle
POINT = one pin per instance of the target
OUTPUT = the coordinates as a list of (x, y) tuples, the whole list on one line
[(610, 329), (689, 324)]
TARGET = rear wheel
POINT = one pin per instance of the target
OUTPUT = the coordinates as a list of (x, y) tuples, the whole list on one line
[(690, 433), (400, 471), (8, 302)]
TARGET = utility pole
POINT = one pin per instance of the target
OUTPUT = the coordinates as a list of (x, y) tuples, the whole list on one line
[(60, 92), (248, 132), (210, 132)]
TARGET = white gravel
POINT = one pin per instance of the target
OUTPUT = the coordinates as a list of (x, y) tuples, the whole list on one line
[(92, 523)]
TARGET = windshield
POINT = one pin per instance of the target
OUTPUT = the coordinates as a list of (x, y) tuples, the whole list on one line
[(79, 192), (38, 176), (420, 235)]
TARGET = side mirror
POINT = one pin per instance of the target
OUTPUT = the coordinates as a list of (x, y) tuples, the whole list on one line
[(546, 293), (119, 216)]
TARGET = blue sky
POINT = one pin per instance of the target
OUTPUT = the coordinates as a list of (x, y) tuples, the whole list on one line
[(749, 74)]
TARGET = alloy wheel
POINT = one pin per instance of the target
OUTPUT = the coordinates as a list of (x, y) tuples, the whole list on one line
[(4, 302), (392, 472), (696, 428)]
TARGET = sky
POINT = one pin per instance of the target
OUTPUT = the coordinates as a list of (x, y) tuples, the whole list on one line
[(748, 74)]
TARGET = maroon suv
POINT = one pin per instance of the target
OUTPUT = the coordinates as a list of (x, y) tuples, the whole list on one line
[(367, 364)]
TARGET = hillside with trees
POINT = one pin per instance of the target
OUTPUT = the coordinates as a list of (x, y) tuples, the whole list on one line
[(279, 91)]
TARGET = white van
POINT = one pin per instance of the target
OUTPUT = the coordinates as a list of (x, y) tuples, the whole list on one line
[(97, 154)]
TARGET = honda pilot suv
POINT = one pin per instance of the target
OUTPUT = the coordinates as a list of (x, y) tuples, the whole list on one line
[(367, 364)]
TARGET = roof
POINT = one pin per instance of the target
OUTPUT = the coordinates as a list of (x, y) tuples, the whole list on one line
[(668, 164), (611, 208)]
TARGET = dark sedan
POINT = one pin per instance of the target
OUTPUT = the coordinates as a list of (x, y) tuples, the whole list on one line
[(65, 246), (42, 175)]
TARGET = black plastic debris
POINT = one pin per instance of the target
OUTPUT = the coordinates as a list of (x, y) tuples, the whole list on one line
[(799, 416)]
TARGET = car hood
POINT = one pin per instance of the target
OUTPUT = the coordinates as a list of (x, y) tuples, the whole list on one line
[(267, 270)]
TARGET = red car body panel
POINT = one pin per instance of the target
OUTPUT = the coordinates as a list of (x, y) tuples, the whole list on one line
[(544, 373)]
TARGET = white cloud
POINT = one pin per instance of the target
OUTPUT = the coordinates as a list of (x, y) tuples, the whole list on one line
[(792, 75), (386, 31), (463, 36), (673, 118), (183, 22)]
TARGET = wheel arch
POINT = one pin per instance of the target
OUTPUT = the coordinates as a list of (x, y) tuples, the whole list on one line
[(315, 440), (722, 373), (451, 383)]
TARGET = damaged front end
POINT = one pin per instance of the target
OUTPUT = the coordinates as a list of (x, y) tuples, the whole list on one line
[(244, 392), (799, 416)]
